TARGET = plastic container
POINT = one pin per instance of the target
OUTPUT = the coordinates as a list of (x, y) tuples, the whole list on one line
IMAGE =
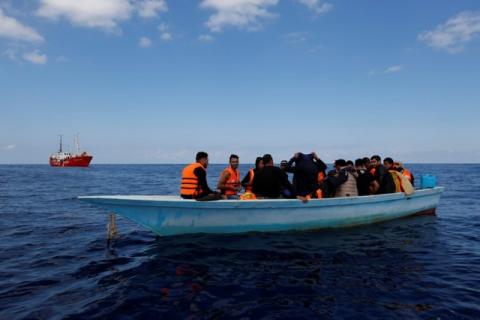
[(428, 181)]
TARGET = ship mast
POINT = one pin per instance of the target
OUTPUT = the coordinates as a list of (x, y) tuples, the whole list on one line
[(77, 144), (61, 145)]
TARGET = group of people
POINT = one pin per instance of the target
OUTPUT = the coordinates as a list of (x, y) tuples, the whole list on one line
[(365, 176)]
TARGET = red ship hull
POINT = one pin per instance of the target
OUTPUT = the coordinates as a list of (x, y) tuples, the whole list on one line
[(73, 161)]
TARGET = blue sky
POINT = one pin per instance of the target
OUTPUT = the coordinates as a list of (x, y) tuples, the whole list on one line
[(153, 81)]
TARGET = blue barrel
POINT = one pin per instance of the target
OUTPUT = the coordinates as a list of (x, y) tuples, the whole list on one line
[(428, 181)]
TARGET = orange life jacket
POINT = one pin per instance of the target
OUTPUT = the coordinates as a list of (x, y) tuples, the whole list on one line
[(233, 181), (251, 173), (318, 194), (248, 196), (190, 185), (321, 177), (397, 180), (407, 174)]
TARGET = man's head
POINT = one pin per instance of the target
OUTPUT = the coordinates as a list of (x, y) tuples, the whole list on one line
[(388, 163), (375, 161), (366, 162), (259, 163), (283, 164), (234, 161), (267, 160), (359, 164), (202, 158), (350, 163), (340, 163), (398, 165)]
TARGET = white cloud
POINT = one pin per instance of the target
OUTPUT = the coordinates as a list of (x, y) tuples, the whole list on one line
[(242, 14), (9, 147), (205, 38), (165, 33), (105, 14), (317, 6), (35, 57), (144, 42), (12, 29), (454, 34), (393, 69), (10, 54), (61, 59), (295, 37), (316, 49), (151, 8)]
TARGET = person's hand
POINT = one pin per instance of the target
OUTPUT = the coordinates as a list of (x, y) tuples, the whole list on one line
[(303, 199)]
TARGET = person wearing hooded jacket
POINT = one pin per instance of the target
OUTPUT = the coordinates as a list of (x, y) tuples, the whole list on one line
[(306, 169)]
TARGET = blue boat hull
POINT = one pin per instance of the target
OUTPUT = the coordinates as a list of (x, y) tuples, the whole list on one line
[(167, 215)]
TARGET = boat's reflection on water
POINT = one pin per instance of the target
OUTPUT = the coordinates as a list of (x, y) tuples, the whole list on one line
[(373, 269)]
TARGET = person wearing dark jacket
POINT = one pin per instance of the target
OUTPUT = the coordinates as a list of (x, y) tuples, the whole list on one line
[(365, 180), (384, 179), (382, 176), (248, 179), (269, 182), (306, 169)]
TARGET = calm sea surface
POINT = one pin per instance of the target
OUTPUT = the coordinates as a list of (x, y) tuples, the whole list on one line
[(55, 261)]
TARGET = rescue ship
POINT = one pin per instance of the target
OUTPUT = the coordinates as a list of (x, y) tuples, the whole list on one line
[(67, 159)]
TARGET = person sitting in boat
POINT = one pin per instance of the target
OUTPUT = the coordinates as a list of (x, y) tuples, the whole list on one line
[(386, 181), (343, 180), (287, 191), (350, 164), (194, 180), (380, 174), (401, 182), (365, 180), (269, 182), (400, 168), (247, 181), (229, 182), (308, 175)]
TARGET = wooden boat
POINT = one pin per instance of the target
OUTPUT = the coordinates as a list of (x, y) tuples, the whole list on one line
[(171, 215)]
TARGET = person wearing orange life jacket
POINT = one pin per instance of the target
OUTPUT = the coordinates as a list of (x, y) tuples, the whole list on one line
[(229, 183), (247, 181), (400, 168), (390, 168), (194, 180)]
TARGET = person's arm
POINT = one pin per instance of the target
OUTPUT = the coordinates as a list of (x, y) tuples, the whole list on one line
[(246, 180), (319, 163), (337, 180), (380, 172), (286, 183), (257, 184), (202, 180), (222, 182), (290, 167)]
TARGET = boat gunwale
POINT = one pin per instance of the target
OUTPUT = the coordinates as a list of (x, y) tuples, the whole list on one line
[(174, 202)]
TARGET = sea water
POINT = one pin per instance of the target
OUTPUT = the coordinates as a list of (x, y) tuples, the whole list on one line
[(56, 262)]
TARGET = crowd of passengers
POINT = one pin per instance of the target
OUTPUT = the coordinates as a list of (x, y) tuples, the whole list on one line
[(366, 176)]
